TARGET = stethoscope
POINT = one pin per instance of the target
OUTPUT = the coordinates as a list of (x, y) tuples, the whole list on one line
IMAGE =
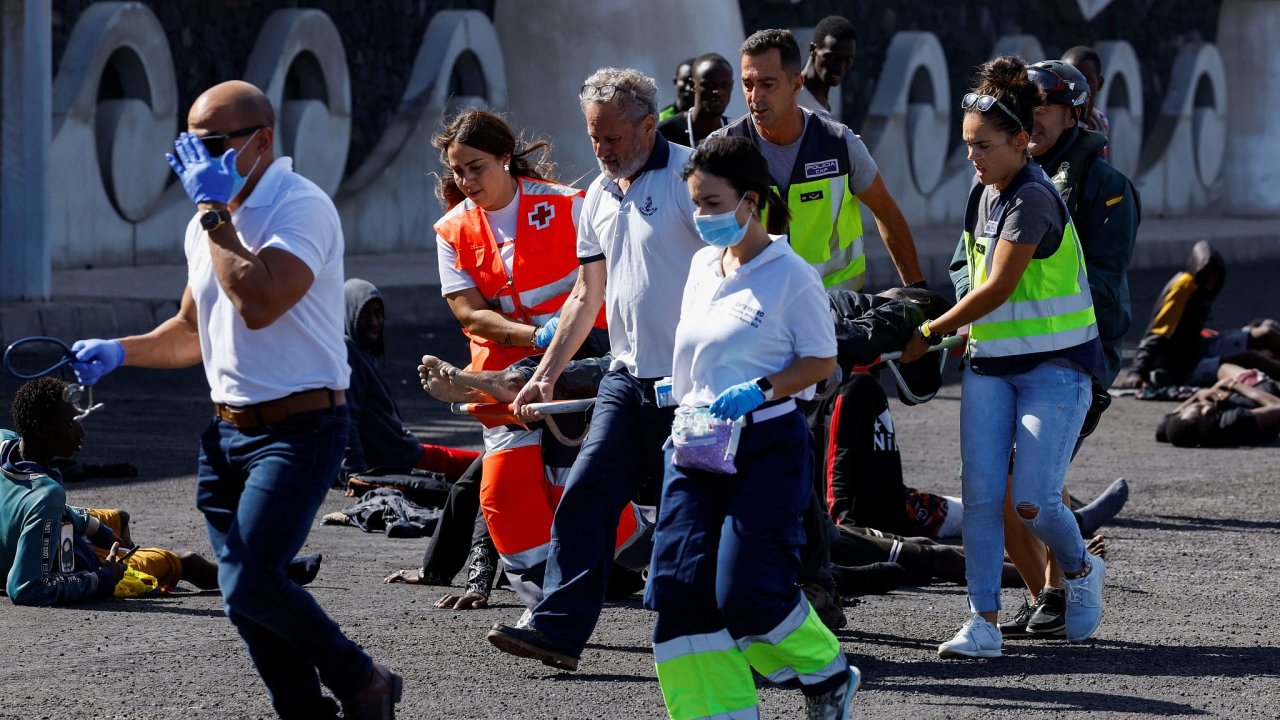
[(80, 396), (688, 123)]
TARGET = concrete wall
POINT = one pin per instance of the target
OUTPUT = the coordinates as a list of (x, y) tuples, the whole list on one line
[(547, 68), (115, 102)]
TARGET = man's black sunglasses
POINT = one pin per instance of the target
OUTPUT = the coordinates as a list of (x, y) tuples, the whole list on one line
[(216, 145)]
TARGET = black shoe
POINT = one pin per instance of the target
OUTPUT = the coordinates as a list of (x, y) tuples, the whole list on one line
[(377, 699), (302, 569), (1050, 617), (826, 602), (1017, 627), (529, 642)]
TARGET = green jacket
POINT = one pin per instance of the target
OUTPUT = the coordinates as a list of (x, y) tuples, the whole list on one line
[(37, 534)]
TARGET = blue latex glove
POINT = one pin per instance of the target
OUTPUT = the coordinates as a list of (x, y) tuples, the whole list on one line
[(737, 401), (95, 358), (206, 179), (542, 338)]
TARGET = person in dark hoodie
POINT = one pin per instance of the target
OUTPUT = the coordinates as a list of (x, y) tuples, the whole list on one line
[(378, 437), (1174, 350)]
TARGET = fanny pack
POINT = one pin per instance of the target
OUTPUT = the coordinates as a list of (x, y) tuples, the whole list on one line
[(703, 441)]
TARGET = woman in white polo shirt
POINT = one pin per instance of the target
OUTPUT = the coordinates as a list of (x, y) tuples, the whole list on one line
[(755, 334)]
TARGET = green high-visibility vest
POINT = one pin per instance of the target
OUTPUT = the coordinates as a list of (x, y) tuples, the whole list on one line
[(1051, 308), (826, 217)]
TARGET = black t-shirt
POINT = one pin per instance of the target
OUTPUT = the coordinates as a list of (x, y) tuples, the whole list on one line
[(1239, 426)]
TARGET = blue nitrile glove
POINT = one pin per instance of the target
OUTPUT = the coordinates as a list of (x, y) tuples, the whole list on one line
[(206, 179), (95, 358), (737, 401), (542, 338)]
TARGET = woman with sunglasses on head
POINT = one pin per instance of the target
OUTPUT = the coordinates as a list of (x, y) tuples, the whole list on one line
[(755, 335), (1033, 351)]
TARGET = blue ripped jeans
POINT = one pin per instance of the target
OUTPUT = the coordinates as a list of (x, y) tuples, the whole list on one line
[(1040, 410)]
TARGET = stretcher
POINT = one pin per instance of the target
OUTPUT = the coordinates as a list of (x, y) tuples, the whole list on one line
[(495, 414), (951, 346)]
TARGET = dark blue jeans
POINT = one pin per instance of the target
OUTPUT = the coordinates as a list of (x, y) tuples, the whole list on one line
[(622, 454), (259, 491)]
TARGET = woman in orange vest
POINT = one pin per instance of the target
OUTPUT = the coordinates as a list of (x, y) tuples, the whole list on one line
[(507, 251), (507, 255)]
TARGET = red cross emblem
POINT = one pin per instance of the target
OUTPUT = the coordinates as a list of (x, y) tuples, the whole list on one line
[(542, 214)]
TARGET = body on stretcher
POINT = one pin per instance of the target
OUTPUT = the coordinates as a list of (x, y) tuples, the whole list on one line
[(493, 414)]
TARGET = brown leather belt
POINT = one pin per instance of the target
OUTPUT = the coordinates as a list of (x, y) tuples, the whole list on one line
[(248, 417)]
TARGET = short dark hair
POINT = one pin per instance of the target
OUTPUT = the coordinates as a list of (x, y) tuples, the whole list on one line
[(1081, 53), (711, 57), (739, 162), (834, 26), (762, 41), (1181, 432), (36, 401)]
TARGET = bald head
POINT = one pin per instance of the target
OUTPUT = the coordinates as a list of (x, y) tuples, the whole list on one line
[(229, 106)]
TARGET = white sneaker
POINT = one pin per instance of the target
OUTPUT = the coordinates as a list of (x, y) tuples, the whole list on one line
[(976, 639), (1084, 600), (834, 705)]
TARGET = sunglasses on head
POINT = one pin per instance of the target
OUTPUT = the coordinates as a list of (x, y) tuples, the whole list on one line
[(216, 145), (604, 92), (984, 103)]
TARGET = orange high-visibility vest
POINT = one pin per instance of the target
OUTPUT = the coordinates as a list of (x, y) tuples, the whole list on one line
[(543, 271), (519, 495)]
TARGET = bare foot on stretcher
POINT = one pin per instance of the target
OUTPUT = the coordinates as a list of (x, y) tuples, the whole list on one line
[(440, 380), (465, 386)]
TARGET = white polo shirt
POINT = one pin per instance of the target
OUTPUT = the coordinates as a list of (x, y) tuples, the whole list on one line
[(646, 237), (303, 349), (755, 321)]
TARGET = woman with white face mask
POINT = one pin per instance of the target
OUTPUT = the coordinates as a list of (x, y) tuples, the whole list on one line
[(755, 335)]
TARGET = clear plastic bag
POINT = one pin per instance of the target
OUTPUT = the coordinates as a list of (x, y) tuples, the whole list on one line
[(703, 441)]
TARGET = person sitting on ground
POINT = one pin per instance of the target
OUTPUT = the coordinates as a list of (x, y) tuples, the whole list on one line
[(831, 53), (378, 437), (1174, 350), (712, 90), (33, 507), (1242, 408)]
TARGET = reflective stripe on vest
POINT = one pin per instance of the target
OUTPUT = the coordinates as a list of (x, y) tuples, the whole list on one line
[(539, 295), (826, 217), (1050, 309), (705, 676), (544, 268), (826, 230), (798, 648)]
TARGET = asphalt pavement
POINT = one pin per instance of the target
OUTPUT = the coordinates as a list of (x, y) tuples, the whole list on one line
[(1190, 627)]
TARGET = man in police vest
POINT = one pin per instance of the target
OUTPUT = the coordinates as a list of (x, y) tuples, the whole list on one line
[(819, 166)]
